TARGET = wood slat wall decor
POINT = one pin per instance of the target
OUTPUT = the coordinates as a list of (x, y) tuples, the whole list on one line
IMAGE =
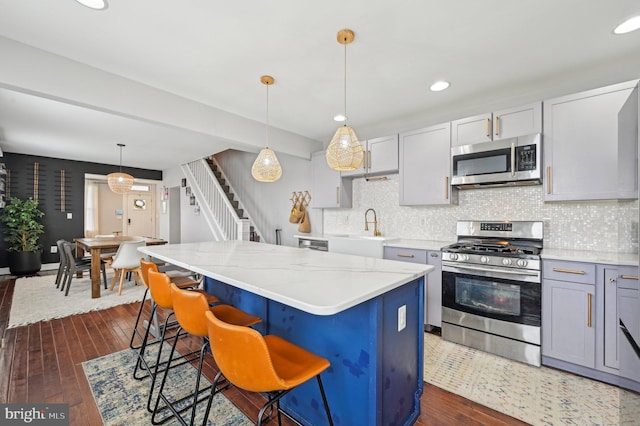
[(41, 363)]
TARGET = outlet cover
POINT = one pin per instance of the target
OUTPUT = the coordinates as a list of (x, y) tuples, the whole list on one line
[(69, 215), (54, 249), (402, 317)]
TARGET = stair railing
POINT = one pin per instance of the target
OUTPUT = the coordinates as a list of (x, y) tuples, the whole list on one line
[(214, 204), (256, 230)]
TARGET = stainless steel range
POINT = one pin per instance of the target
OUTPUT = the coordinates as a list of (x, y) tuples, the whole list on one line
[(491, 288)]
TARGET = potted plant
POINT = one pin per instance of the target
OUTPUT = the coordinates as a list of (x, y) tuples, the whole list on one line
[(22, 230)]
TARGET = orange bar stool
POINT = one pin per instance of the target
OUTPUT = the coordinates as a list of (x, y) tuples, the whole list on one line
[(257, 363), (190, 308), (181, 282), (160, 289)]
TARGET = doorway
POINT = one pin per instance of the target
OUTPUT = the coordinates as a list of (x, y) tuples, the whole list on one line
[(107, 213), (140, 214)]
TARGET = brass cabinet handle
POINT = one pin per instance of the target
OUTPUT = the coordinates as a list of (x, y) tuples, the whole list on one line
[(369, 159), (548, 179), (496, 125), (612, 280), (629, 277), (488, 132), (569, 271), (337, 195), (434, 254), (589, 306), (446, 188), (404, 255)]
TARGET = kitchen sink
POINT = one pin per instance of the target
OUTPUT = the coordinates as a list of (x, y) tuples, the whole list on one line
[(359, 244)]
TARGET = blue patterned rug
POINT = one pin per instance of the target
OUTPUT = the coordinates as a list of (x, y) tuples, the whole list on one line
[(122, 400)]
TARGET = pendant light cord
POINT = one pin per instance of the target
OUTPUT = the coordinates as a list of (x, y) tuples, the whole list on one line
[(120, 145), (345, 84), (266, 142)]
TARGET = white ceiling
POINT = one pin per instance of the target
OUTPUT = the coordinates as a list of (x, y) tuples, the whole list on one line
[(495, 53)]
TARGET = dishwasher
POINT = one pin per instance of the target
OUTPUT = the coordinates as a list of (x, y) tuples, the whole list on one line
[(313, 244)]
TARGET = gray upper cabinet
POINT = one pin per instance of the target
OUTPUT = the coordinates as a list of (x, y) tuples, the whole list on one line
[(425, 166), (329, 189), (590, 144), (507, 123), (381, 156)]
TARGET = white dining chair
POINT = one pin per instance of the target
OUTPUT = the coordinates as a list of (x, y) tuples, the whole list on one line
[(126, 259)]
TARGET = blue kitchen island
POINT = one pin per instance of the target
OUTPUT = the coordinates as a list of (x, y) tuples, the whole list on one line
[(363, 314)]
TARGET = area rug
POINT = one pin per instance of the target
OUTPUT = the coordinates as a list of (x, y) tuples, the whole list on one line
[(539, 396), (122, 400), (37, 298)]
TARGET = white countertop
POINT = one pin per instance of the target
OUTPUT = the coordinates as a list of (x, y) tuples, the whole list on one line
[(312, 237), (316, 282), (608, 258), (418, 244)]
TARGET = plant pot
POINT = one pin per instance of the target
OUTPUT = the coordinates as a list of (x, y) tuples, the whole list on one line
[(24, 262)]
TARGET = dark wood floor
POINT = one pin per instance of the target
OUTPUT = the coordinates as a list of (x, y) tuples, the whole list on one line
[(42, 363)]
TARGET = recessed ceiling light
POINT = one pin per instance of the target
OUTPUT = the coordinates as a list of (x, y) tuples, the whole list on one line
[(339, 117), (94, 4), (627, 26), (439, 86)]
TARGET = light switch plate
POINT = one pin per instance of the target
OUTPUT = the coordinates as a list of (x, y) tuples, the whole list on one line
[(402, 317), (69, 215)]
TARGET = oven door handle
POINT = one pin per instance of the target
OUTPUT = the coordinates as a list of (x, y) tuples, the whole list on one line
[(489, 269)]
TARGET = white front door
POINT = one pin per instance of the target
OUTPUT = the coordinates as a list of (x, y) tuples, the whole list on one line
[(140, 214)]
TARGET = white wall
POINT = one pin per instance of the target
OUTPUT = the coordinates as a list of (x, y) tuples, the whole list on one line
[(193, 227), (268, 203), (581, 225)]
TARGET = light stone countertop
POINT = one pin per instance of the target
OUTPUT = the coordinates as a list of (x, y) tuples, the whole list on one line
[(608, 258), (418, 244), (316, 282), (312, 237)]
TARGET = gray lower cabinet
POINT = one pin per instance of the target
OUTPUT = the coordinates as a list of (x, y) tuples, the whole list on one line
[(568, 316), (582, 305), (629, 313), (433, 283), (425, 169), (590, 144), (329, 189)]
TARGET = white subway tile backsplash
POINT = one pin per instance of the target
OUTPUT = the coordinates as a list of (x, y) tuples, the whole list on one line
[(584, 225)]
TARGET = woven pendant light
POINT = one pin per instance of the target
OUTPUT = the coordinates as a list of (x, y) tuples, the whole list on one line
[(345, 152), (119, 182), (266, 168)]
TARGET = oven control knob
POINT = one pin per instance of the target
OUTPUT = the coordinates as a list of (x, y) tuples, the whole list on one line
[(454, 256), (506, 262), (484, 259), (522, 263), (464, 257)]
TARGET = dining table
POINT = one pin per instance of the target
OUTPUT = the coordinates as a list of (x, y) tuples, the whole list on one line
[(97, 246)]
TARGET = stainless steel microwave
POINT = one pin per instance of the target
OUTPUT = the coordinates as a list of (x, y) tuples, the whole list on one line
[(505, 162)]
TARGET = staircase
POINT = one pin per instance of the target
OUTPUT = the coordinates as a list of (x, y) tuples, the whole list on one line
[(224, 215), (217, 172)]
